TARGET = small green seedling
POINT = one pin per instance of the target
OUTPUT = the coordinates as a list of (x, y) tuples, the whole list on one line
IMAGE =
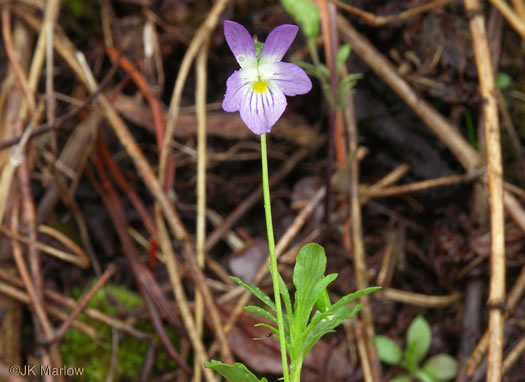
[(438, 368), (302, 328)]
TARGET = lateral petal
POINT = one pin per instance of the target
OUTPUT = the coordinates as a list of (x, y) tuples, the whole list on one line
[(290, 78), (240, 43), (277, 43), (236, 87)]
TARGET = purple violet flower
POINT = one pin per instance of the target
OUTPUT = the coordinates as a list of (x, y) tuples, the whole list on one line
[(258, 89)]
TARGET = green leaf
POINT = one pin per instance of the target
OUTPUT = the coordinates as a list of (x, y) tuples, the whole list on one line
[(322, 73), (327, 92), (309, 269), (275, 331), (283, 290), (342, 56), (325, 72), (324, 323), (323, 303), (319, 316), (261, 312), (353, 296), (410, 361), (327, 321), (305, 14), (420, 334), (300, 322), (233, 373), (441, 367), (317, 294), (344, 87), (422, 376), (309, 266), (387, 350), (256, 292), (402, 378)]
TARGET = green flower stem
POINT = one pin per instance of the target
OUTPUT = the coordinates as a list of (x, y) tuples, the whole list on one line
[(273, 258)]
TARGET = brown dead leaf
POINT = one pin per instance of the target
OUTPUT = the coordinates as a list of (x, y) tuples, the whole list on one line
[(245, 265)]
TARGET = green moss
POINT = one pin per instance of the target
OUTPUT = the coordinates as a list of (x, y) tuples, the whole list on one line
[(79, 350)]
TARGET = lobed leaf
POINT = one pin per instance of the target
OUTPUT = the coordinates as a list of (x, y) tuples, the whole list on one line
[(275, 331), (261, 312), (256, 292), (331, 320), (283, 290), (312, 298), (354, 296), (308, 271)]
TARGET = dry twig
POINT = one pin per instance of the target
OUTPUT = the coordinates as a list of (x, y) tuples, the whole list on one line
[(201, 36), (36, 303), (517, 22), (378, 21), (71, 303), (495, 186), (82, 303), (418, 298), (513, 298), (354, 227)]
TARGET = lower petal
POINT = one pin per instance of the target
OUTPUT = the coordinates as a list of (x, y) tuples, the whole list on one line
[(260, 111)]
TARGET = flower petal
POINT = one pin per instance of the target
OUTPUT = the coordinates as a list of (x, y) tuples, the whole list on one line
[(236, 87), (240, 43), (277, 43), (288, 77), (260, 111)]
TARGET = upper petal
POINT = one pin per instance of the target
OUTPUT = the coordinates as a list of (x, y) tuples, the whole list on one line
[(236, 88), (288, 77), (260, 111), (240, 43), (277, 43)]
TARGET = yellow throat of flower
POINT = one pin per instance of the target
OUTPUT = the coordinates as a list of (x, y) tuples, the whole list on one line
[(260, 86)]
